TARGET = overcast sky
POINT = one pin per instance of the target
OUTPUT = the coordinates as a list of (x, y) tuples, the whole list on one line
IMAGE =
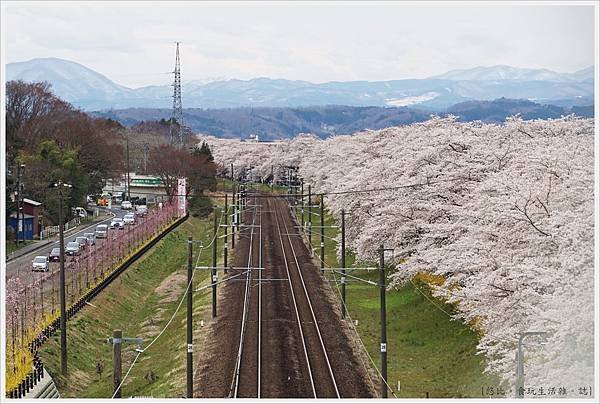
[(133, 43)]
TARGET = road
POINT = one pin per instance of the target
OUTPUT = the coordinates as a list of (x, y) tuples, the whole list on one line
[(277, 334), (21, 266)]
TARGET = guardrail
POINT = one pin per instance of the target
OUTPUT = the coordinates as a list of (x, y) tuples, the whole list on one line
[(50, 231), (32, 314)]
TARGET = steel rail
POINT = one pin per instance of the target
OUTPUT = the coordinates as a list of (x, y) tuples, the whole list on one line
[(287, 268), (316, 324), (238, 365)]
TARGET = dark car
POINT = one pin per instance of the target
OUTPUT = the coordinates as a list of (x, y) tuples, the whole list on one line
[(54, 255)]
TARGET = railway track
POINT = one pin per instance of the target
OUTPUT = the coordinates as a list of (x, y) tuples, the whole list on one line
[(246, 379), (321, 375), (279, 336)]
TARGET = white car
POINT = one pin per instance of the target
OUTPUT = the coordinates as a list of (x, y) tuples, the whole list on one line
[(117, 223), (91, 238), (101, 231), (129, 218), (40, 263), (126, 205), (141, 210)]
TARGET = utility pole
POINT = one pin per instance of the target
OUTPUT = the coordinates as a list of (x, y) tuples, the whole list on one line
[(231, 171), (117, 340), (190, 346), (63, 305), (343, 263), (146, 151), (309, 219), (18, 197), (225, 245), (127, 177), (520, 385), (322, 237), (272, 177), (214, 267), (383, 346), (117, 368)]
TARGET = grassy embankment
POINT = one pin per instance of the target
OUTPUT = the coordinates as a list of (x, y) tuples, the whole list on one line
[(139, 302), (427, 351)]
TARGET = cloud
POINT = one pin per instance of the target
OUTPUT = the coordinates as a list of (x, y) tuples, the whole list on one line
[(134, 42)]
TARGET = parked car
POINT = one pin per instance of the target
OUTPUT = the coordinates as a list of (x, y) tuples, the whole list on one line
[(141, 210), (129, 218), (91, 238), (54, 255), (126, 205), (73, 248), (40, 263), (83, 241), (79, 211), (117, 223), (102, 231)]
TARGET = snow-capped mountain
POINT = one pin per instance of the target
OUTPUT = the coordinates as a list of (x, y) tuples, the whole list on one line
[(503, 72), (90, 90), (70, 80)]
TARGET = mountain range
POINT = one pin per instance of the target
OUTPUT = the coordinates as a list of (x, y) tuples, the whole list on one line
[(324, 121), (90, 90)]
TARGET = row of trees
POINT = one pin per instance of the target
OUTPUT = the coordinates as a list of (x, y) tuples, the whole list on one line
[(502, 214), (55, 141)]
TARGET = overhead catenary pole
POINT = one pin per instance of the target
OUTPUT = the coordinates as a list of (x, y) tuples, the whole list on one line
[(343, 263), (190, 346), (231, 171), (322, 237), (233, 219), (383, 346), (310, 218), (302, 208), (225, 228), (117, 369), (214, 268), (520, 383)]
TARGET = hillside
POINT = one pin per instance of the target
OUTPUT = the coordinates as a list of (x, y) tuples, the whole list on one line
[(278, 123)]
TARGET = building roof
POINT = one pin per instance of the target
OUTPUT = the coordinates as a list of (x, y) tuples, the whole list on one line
[(23, 215), (32, 202)]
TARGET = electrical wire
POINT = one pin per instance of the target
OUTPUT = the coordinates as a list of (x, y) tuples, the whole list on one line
[(174, 313), (358, 336)]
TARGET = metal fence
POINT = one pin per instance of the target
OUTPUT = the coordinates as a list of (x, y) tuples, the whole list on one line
[(50, 231), (32, 299)]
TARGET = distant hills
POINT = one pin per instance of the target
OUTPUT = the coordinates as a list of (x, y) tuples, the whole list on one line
[(503, 72), (281, 123), (90, 90)]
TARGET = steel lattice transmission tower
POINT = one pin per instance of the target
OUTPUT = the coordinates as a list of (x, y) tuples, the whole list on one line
[(177, 114)]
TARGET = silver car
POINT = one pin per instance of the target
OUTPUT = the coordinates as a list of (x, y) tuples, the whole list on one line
[(91, 238), (129, 218), (40, 263), (73, 248), (101, 231)]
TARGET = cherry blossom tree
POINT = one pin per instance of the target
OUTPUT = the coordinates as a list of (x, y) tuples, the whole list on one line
[(503, 214)]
